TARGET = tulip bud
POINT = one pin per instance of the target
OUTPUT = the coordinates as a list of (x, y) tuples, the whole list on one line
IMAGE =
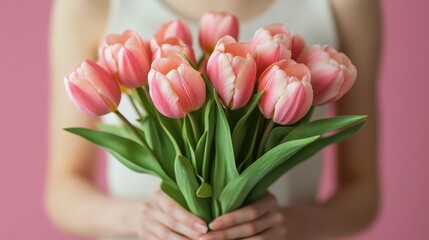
[(298, 46), (287, 92), (214, 26), (177, 28), (271, 44), (171, 46), (332, 72), (232, 71), (127, 57), (92, 89), (175, 87)]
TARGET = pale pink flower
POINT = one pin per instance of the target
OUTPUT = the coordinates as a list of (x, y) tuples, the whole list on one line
[(232, 71), (214, 26), (92, 89), (126, 56), (177, 28), (271, 44), (175, 87), (171, 46), (332, 72), (287, 92)]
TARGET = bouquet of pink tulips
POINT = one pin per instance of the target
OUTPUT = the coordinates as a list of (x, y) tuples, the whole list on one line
[(220, 131)]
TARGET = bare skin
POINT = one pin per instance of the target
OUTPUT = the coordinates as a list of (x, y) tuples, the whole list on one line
[(77, 206)]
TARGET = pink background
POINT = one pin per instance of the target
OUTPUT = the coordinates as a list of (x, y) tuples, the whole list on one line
[(404, 96)]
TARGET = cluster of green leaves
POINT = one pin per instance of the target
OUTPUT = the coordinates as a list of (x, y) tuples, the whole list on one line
[(213, 161)]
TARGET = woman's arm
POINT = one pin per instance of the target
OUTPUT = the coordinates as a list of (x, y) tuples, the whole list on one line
[(355, 204), (72, 200)]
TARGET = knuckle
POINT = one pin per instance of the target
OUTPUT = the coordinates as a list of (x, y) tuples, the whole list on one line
[(279, 218), (251, 228), (253, 212)]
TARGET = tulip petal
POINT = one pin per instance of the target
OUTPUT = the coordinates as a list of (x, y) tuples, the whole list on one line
[(163, 96), (86, 98)]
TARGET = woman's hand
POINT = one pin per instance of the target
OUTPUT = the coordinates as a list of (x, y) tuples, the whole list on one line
[(263, 219), (162, 218)]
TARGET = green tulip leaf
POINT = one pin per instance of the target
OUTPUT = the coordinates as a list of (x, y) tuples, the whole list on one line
[(130, 153), (224, 169), (188, 185), (276, 136), (308, 151), (172, 190), (322, 126), (244, 126), (237, 190)]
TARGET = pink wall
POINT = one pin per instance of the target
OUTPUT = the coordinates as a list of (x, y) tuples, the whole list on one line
[(403, 91)]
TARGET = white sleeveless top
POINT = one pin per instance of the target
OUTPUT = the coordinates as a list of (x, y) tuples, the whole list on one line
[(311, 19)]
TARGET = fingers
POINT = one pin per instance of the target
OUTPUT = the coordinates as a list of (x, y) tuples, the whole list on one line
[(272, 233), (247, 229), (170, 223), (181, 215), (155, 230), (246, 214)]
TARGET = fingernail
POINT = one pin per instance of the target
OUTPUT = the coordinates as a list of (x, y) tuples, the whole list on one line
[(201, 227), (215, 225)]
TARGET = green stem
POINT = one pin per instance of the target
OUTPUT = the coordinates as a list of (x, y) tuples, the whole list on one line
[(133, 103), (134, 130), (264, 138), (195, 129), (200, 61)]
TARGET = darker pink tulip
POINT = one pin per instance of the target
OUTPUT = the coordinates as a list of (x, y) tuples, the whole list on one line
[(127, 57), (214, 26), (171, 46), (93, 90), (298, 46), (287, 90), (271, 44), (232, 71), (332, 72), (175, 87), (177, 28)]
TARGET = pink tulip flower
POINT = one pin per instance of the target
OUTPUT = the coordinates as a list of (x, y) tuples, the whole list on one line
[(175, 87), (271, 44), (92, 89), (288, 94), (232, 71), (171, 46), (214, 26), (298, 46), (177, 28), (332, 72), (127, 57)]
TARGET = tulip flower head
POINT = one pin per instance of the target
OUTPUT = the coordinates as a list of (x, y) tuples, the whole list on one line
[(298, 45), (232, 71), (127, 57), (177, 28), (171, 46), (92, 89), (175, 87), (271, 44), (214, 26), (332, 72), (287, 90)]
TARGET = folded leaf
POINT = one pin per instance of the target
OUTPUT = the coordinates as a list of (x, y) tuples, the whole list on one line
[(322, 126), (236, 191), (308, 151), (188, 184), (276, 136), (245, 125), (130, 153), (224, 169)]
